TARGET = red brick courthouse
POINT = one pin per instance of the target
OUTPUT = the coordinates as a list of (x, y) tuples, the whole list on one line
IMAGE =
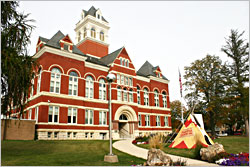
[(69, 96)]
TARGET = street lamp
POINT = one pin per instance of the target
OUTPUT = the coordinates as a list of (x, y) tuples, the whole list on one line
[(110, 157)]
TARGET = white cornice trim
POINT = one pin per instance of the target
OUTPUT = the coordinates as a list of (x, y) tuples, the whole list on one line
[(95, 66), (159, 79), (59, 53), (121, 73), (122, 66), (66, 106), (142, 78), (91, 39), (92, 56), (143, 113)]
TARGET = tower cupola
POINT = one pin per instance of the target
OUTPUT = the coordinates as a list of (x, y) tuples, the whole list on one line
[(92, 33)]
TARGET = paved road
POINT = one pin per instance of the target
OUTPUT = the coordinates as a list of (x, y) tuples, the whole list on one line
[(127, 147)]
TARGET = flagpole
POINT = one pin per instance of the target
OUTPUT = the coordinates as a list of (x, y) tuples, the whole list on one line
[(182, 120)]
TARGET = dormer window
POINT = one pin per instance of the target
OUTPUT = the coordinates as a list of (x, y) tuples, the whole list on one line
[(102, 36), (98, 16), (66, 47), (93, 34)]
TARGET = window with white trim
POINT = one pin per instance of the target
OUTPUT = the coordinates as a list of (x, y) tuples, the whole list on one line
[(55, 80), (89, 90), (146, 98), (118, 79), (164, 99), (73, 83), (39, 81), (30, 113), (158, 121), (147, 120), (138, 95), (126, 80), (53, 114), (72, 115), (79, 36), (32, 88), (139, 119), (102, 118), (121, 61), (36, 114), (125, 94), (89, 117), (156, 98), (122, 79), (93, 33), (84, 32), (102, 89), (124, 63), (119, 93), (130, 81), (102, 36), (166, 121), (127, 63), (130, 95)]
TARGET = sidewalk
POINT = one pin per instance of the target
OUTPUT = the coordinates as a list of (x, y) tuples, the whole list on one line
[(129, 148)]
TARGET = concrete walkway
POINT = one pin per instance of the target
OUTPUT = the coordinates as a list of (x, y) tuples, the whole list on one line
[(129, 148)]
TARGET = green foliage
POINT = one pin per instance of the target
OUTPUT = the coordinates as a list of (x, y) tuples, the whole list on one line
[(238, 76), (197, 150), (17, 67), (62, 153), (142, 138), (205, 86)]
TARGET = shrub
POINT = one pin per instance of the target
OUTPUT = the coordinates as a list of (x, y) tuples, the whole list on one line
[(156, 142), (197, 150)]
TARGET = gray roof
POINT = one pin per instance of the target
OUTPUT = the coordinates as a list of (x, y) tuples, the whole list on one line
[(92, 12), (54, 42), (147, 70), (111, 57), (43, 39)]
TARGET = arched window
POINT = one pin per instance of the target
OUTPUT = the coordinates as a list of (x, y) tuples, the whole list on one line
[(39, 81), (164, 99), (89, 91), (85, 33), (102, 89), (138, 95), (146, 100), (123, 117), (156, 98), (127, 63), (119, 93), (125, 94), (79, 36), (130, 95), (32, 88), (55, 80), (124, 63), (102, 36), (93, 33), (73, 83)]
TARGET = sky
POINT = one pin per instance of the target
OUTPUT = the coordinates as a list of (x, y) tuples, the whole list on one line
[(171, 34)]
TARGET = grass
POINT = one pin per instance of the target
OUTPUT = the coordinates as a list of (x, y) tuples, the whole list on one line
[(61, 153), (232, 144)]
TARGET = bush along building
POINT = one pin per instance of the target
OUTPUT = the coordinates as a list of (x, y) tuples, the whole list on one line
[(69, 98)]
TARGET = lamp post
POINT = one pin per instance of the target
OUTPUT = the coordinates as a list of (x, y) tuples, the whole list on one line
[(110, 157)]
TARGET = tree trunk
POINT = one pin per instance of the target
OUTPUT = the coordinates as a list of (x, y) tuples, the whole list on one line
[(212, 124), (246, 126)]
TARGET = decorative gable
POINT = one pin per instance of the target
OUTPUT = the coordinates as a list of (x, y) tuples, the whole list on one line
[(66, 43), (157, 72)]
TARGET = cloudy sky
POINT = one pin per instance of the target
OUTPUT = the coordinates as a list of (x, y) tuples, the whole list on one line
[(166, 33)]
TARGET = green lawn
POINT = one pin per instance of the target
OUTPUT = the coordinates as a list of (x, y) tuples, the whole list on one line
[(61, 153), (232, 144)]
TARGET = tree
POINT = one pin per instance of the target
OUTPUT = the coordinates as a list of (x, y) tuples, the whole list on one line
[(238, 50), (205, 85), (176, 108), (17, 67)]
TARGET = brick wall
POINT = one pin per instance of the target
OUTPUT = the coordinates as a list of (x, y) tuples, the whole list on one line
[(18, 129)]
